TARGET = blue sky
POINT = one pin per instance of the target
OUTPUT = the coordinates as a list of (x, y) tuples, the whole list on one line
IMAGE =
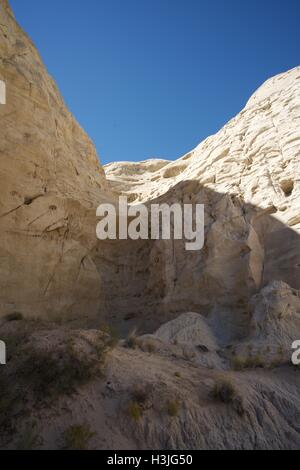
[(152, 78)]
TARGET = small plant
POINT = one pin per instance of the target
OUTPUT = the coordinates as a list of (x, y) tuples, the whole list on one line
[(58, 373), (62, 371), (77, 437), (173, 408), (238, 363), (135, 411), (225, 391), (254, 362), (250, 362)]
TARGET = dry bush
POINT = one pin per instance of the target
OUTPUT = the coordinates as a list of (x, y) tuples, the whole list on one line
[(250, 362), (77, 437), (173, 408), (225, 391), (16, 316), (135, 411)]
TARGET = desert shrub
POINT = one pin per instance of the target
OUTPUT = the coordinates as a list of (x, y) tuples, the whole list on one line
[(225, 391), (239, 363), (173, 408), (142, 394), (135, 411), (52, 375), (77, 437), (43, 376), (16, 316), (251, 362), (55, 373)]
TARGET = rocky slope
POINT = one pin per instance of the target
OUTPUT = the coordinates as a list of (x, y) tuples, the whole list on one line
[(210, 363)]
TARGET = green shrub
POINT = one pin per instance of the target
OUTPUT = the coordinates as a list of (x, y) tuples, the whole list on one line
[(50, 376)]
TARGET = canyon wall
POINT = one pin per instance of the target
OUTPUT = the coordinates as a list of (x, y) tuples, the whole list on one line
[(51, 264), (51, 182)]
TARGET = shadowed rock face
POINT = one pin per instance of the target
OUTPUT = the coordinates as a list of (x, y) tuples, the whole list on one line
[(158, 280)]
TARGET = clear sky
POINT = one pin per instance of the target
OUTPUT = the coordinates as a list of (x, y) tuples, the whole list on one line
[(152, 78)]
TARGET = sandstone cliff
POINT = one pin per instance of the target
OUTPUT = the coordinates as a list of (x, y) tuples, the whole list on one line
[(51, 182)]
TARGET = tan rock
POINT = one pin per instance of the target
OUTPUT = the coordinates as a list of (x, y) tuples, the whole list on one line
[(51, 182)]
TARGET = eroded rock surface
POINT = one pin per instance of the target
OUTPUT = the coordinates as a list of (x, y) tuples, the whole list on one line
[(247, 175), (51, 182)]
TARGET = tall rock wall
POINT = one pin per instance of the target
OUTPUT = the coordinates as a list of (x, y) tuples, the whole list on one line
[(50, 183)]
